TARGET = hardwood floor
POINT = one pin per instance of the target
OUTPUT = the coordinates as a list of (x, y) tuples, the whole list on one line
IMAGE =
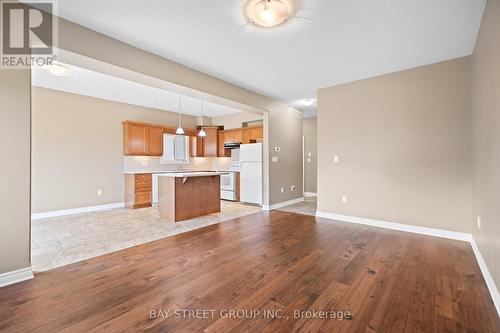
[(378, 280)]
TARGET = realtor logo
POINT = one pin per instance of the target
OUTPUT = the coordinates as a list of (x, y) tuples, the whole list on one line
[(28, 34)]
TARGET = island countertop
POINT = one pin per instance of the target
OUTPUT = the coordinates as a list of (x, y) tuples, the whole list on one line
[(193, 174)]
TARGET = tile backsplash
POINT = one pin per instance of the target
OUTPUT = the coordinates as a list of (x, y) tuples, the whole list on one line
[(152, 164)]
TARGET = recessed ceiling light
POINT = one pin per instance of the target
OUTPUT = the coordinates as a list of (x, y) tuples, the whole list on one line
[(268, 13), (307, 101), (152, 98), (58, 69)]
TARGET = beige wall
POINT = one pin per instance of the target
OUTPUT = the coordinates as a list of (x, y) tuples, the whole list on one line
[(485, 118), (83, 41), (403, 144), (78, 148), (234, 120), (286, 133), (15, 169), (310, 133)]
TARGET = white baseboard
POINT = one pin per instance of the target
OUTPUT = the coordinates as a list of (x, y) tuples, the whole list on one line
[(398, 226), (310, 194), (19, 275), (486, 274), (430, 232), (282, 204), (55, 213)]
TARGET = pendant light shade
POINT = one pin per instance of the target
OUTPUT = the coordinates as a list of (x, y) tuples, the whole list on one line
[(202, 132), (179, 129)]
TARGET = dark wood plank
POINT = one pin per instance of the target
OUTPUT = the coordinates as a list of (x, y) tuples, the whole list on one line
[(388, 281)]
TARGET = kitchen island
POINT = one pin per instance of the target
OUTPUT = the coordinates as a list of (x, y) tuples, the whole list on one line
[(184, 195)]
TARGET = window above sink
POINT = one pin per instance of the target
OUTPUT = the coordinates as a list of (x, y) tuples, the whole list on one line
[(175, 149)]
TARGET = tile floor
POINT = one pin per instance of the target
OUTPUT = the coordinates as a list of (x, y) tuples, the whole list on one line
[(307, 207), (63, 240)]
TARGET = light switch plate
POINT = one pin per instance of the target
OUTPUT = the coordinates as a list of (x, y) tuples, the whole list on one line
[(344, 198), (336, 158), (99, 192), (275, 159), (277, 149)]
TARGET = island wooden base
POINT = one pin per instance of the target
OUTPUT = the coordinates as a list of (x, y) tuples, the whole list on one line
[(184, 198)]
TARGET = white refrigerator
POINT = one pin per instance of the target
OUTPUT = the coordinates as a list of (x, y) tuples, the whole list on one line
[(251, 173)]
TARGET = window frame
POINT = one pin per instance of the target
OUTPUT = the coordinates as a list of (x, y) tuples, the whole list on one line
[(174, 161)]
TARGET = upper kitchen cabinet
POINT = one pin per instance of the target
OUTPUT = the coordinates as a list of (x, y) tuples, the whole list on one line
[(233, 135), (196, 146), (222, 152), (252, 134), (155, 141), (142, 139), (210, 141), (206, 146)]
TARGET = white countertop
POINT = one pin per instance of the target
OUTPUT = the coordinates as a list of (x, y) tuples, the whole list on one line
[(175, 171), (193, 174)]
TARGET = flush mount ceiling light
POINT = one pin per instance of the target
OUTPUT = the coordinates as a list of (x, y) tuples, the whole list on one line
[(58, 69), (268, 13)]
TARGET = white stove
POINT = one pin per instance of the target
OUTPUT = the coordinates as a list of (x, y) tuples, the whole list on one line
[(228, 186)]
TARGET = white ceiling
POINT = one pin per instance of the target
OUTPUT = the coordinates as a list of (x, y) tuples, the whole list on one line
[(328, 42), (91, 83)]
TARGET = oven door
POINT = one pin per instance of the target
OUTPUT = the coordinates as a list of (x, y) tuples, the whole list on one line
[(227, 182)]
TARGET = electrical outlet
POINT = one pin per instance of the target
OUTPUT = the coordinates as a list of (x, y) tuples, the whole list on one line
[(309, 154), (282, 190), (99, 192), (292, 188), (478, 222), (336, 159), (344, 198)]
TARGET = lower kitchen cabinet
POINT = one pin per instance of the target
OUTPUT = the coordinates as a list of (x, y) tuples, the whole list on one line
[(138, 190)]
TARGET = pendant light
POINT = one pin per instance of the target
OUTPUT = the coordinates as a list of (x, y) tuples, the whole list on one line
[(179, 129), (202, 130)]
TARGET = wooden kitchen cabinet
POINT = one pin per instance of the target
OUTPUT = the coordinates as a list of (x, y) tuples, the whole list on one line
[(134, 139), (207, 146), (237, 186), (222, 152), (138, 190), (252, 134), (237, 135), (256, 133), (210, 145), (233, 135), (196, 146), (155, 141), (142, 140), (228, 136), (245, 136)]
